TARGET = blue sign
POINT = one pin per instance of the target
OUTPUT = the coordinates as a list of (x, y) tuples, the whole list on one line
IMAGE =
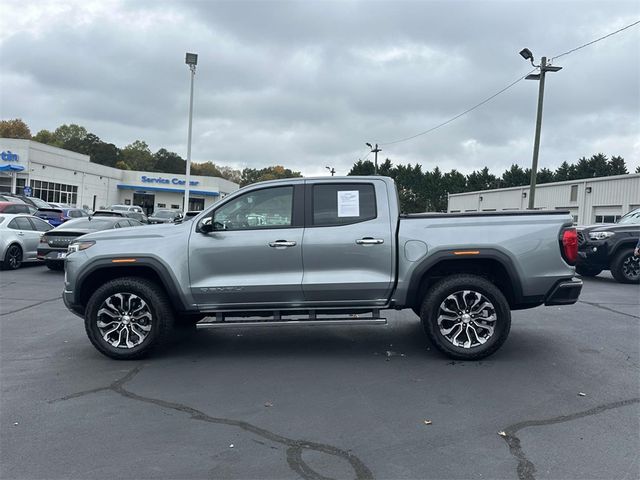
[(174, 181), (27, 191), (9, 157)]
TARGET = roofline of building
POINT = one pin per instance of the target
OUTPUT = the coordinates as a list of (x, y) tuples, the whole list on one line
[(541, 185)]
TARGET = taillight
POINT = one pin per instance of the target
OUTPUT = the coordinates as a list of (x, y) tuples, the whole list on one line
[(43, 239), (569, 245)]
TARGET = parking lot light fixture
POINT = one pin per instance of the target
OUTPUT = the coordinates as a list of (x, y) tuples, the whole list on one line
[(191, 59)]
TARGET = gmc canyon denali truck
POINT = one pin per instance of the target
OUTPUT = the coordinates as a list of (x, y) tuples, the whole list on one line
[(321, 251)]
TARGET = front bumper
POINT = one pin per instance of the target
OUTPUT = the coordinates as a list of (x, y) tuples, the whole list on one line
[(593, 253), (565, 292)]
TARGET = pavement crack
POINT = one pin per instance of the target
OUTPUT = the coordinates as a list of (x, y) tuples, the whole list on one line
[(29, 306), (295, 447), (599, 305), (526, 469)]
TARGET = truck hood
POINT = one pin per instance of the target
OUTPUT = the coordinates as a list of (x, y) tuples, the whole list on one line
[(159, 230)]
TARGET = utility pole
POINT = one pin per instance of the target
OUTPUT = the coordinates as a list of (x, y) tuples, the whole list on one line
[(544, 68), (375, 151), (192, 61)]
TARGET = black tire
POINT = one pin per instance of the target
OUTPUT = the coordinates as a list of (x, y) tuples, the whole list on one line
[(440, 293), (586, 271), (56, 266), (156, 303), (12, 258), (625, 267)]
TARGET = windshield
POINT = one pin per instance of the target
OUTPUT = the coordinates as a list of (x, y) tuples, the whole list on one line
[(39, 203), (633, 217), (118, 207), (165, 214)]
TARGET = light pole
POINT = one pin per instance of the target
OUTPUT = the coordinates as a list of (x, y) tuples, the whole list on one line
[(331, 170), (375, 151), (544, 68), (191, 59)]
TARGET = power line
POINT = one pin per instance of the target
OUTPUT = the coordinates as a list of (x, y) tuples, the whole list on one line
[(505, 88), (594, 41), (461, 114)]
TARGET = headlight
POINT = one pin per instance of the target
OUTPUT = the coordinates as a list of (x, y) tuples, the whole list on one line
[(600, 235), (77, 246)]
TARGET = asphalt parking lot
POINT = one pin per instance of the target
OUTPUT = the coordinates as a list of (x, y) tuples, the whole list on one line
[(321, 402)]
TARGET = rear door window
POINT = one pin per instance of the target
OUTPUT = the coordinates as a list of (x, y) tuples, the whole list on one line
[(343, 204)]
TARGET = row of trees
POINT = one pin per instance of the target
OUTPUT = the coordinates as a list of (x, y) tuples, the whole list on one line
[(137, 155), (421, 191)]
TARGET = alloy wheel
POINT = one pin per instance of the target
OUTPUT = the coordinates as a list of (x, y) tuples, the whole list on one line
[(124, 320), (631, 267), (15, 257), (467, 319)]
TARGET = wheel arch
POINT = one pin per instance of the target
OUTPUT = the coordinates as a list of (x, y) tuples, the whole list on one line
[(493, 265), (148, 268)]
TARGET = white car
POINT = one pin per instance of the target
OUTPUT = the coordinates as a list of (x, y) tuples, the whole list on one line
[(19, 238), (127, 208)]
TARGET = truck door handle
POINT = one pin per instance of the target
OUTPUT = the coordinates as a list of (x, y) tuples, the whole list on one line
[(369, 241), (21, 234), (282, 244)]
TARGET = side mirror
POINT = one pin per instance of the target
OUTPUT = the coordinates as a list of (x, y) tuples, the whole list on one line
[(206, 227), (219, 226)]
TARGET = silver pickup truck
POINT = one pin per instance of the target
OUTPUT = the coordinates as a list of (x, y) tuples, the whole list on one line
[(321, 251)]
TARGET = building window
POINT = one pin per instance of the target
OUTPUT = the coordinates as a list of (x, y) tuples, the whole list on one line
[(55, 192), (607, 218), (162, 205), (574, 193), (127, 201), (175, 207)]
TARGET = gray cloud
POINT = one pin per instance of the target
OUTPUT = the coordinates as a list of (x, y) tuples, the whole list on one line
[(305, 84)]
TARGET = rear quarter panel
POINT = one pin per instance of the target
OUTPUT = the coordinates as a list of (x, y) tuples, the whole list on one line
[(530, 242)]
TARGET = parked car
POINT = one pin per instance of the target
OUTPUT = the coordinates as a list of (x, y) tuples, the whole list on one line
[(59, 205), (320, 251), (54, 243), (57, 216), (141, 217), (610, 247), (33, 201), (15, 207), (126, 208), (165, 216), (19, 237)]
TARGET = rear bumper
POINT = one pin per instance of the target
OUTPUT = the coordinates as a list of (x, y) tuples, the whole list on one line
[(51, 254), (565, 292)]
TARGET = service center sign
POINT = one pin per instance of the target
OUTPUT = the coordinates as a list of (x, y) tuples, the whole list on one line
[(9, 157), (171, 181)]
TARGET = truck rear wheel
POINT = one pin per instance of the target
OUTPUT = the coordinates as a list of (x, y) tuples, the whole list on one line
[(466, 317), (126, 318), (625, 267)]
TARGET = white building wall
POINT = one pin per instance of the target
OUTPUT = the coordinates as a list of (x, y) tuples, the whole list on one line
[(98, 184), (614, 195)]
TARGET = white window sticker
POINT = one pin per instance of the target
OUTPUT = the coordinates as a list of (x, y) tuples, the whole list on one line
[(349, 203)]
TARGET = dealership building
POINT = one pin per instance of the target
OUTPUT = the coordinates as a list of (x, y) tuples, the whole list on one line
[(590, 200), (58, 175)]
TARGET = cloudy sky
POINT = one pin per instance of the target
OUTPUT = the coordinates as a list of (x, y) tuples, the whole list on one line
[(305, 84)]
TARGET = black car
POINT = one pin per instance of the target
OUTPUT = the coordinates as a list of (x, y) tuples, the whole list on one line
[(610, 247), (165, 216), (54, 243)]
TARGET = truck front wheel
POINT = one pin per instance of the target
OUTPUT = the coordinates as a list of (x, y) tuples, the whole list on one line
[(128, 317), (466, 317), (625, 267)]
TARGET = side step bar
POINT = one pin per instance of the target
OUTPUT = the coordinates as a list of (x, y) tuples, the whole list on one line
[(282, 323), (276, 320)]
